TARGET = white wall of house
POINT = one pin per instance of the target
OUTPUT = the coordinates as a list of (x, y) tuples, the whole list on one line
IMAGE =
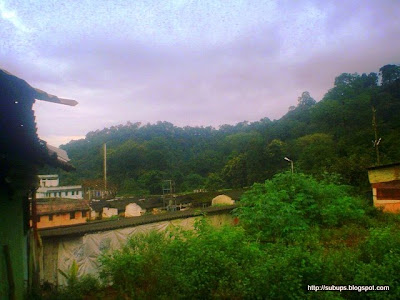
[(49, 180), (109, 212), (69, 192)]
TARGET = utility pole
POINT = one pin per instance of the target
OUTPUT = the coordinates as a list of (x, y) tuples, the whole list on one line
[(376, 141), (105, 167)]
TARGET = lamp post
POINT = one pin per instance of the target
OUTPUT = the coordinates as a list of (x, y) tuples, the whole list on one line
[(291, 162)]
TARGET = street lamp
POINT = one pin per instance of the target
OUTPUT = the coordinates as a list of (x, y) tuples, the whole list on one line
[(291, 162)]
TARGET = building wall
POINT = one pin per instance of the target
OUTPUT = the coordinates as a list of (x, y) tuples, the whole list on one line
[(59, 193), (49, 182), (385, 181), (388, 204), (12, 235), (62, 219)]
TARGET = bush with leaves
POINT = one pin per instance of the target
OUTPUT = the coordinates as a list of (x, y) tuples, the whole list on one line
[(292, 203), (135, 270), (198, 264)]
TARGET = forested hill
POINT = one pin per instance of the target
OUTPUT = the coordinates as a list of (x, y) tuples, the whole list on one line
[(333, 136)]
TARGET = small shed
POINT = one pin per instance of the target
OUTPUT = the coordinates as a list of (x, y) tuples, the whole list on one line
[(385, 183)]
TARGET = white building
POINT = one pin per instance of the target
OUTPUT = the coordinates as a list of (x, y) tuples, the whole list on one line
[(49, 188), (48, 180)]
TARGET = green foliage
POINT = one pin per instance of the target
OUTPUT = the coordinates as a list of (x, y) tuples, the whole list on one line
[(85, 287), (135, 270), (72, 275), (389, 73), (193, 182), (77, 287), (317, 153), (291, 203), (204, 263), (235, 172), (214, 182)]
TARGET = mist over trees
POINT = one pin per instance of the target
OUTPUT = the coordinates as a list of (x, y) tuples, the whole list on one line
[(334, 135)]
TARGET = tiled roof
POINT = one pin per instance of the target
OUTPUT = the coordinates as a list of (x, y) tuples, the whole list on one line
[(57, 205)]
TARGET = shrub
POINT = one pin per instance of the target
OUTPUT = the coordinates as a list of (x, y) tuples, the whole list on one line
[(204, 263), (135, 269), (291, 203)]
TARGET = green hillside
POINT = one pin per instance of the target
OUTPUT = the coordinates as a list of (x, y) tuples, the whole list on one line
[(332, 136)]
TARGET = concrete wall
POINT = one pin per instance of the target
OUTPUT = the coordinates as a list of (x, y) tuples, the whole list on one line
[(12, 235)]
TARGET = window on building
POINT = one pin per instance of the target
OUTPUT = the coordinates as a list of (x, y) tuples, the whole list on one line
[(59, 194), (50, 217), (84, 214), (388, 193), (66, 193), (72, 193), (72, 215), (37, 219)]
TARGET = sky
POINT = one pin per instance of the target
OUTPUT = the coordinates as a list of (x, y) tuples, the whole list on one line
[(191, 63)]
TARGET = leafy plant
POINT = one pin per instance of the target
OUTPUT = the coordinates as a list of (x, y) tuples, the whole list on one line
[(290, 203)]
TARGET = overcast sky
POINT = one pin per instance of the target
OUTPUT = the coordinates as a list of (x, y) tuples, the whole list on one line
[(188, 62)]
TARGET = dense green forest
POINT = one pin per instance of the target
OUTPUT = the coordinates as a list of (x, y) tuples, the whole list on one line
[(333, 136)]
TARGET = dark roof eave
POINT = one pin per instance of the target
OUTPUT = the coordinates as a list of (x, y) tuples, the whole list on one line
[(384, 166)]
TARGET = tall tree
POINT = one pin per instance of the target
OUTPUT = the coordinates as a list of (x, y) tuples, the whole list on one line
[(389, 74)]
